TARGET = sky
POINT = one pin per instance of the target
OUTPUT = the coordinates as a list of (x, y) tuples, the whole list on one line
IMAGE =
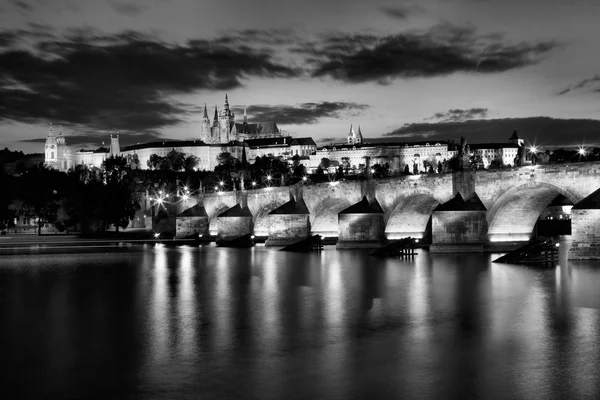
[(405, 71)]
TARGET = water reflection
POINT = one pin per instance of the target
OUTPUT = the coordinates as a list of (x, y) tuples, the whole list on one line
[(182, 321)]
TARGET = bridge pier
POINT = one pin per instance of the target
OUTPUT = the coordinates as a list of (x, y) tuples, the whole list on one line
[(234, 223), (361, 225), (585, 229), (289, 223), (459, 226), (193, 220)]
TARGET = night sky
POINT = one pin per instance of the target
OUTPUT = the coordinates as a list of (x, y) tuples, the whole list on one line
[(426, 70)]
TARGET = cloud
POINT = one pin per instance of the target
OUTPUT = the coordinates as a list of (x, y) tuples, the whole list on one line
[(128, 9), (21, 5), (401, 12), (300, 114), (540, 130), (120, 82), (592, 84), (455, 115), (83, 139), (442, 50), (328, 140)]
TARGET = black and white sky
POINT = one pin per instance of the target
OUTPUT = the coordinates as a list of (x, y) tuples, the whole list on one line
[(422, 70)]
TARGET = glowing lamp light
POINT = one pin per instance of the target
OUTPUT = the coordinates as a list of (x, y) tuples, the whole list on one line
[(581, 151), (304, 178), (268, 177), (159, 200), (533, 149), (253, 183), (557, 244), (216, 188), (372, 171), (185, 197), (156, 235), (252, 237), (221, 183)]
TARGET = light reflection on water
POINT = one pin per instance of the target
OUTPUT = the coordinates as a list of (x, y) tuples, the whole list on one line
[(178, 322)]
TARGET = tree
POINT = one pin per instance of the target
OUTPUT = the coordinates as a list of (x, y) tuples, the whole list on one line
[(154, 161), (227, 163), (440, 167), (122, 196), (346, 164), (7, 194), (40, 194), (190, 163), (175, 160), (133, 161), (325, 163)]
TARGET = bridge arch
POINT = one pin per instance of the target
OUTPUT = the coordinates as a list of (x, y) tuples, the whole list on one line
[(409, 215), (324, 220), (513, 215)]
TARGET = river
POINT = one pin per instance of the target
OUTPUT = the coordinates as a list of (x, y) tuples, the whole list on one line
[(159, 322)]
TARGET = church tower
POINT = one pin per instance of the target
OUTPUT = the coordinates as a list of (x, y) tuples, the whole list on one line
[(51, 149), (226, 121), (115, 147), (354, 137), (205, 127), (515, 139), (358, 138)]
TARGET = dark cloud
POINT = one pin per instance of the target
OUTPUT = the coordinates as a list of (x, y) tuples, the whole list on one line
[(128, 9), (401, 12), (540, 130), (119, 82), (456, 114), (592, 84), (299, 114), (96, 139), (328, 140), (271, 37), (442, 50), (21, 5)]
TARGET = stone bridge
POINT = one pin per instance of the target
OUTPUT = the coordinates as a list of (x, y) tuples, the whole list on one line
[(513, 199)]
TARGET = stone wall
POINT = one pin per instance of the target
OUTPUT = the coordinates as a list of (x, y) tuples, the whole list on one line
[(229, 228), (355, 229), (189, 225), (459, 227), (287, 229), (585, 235)]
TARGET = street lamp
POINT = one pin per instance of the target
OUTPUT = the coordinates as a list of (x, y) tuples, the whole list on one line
[(582, 151), (253, 183)]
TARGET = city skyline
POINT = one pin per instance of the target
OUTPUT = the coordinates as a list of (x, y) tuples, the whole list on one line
[(430, 70)]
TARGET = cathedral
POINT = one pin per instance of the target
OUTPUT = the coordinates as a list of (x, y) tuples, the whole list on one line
[(224, 129)]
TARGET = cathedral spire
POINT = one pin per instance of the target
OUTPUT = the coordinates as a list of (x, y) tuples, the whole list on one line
[(50, 130), (245, 116), (226, 105), (216, 118), (205, 111)]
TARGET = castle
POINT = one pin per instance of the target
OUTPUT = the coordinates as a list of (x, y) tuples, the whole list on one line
[(222, 134)]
